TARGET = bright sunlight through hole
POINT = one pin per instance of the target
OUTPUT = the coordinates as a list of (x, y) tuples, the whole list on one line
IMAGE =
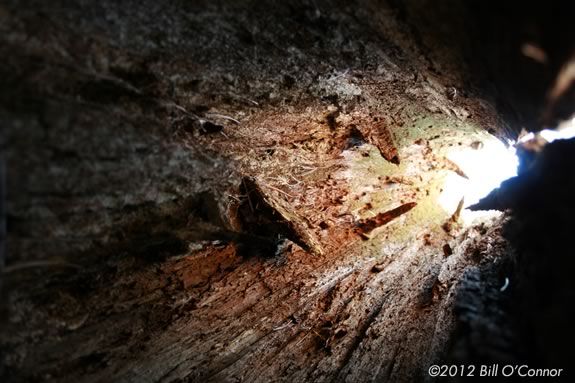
[(486, 167)]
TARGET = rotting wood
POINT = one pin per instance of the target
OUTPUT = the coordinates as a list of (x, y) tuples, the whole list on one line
[(454, 219), (265, 215), (440, 161), (450, 165), (162, 313), (379, 135), (366, 226), (382, 138)]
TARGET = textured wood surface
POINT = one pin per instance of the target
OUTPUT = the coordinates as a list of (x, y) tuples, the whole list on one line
[(117, 120)]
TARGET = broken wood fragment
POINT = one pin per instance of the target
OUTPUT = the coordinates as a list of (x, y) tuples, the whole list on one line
[(450, 165), (365, 226), (454, 219), (380, 136), (457, 213), (264, 215)]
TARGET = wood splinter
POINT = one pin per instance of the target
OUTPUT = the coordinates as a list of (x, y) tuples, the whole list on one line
[(382, 138), (450, 165), (365, 226), (454, 219)]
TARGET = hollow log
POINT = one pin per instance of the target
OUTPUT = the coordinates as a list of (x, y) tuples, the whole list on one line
[(134, 254)]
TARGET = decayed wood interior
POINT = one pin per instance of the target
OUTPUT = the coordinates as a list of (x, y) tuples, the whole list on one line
[(247, 191)]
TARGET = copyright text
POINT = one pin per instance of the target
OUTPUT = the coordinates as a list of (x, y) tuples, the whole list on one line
[(492, 370)]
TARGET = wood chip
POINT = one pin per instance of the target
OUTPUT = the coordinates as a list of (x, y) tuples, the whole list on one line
[(365, 226)]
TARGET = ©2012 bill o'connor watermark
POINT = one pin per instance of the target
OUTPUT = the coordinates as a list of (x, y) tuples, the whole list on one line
[(492, 370)]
